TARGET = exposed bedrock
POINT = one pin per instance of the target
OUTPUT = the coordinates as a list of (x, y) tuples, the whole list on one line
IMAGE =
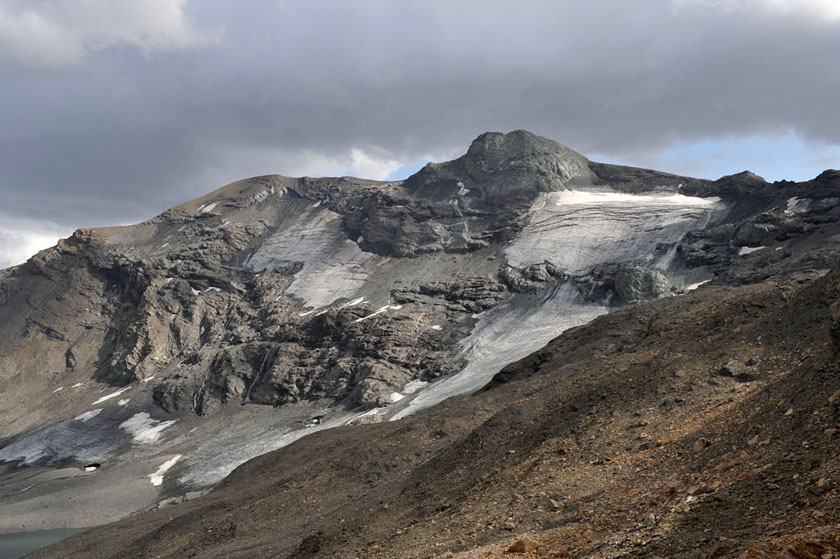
[(626, 282)]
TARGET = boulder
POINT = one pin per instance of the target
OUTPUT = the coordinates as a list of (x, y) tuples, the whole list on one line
[(636, 282), (525, 545)]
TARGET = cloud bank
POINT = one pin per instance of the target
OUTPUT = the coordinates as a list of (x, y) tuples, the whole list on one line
[(56, 33), (825, 10), (115, 111)]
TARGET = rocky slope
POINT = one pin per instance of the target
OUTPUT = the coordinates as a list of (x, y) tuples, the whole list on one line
[(163, 355)]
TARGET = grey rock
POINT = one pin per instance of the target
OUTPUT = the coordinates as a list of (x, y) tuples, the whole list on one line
[(626, 282), (740, 372), (532, 278), (637, 282)]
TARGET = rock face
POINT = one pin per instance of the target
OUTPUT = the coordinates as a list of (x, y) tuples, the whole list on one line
[(276, 307), (635, 282)]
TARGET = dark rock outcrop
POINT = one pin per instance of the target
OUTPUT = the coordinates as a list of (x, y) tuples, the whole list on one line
[(625, 282)]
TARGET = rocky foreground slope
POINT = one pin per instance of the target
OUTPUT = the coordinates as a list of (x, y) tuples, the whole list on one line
[(140, 365)]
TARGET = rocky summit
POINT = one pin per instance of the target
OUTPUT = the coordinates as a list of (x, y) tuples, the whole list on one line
[(519, 351)]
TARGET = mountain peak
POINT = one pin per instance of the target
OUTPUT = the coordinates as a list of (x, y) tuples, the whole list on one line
[(505, 166), (746, 177), (515, 143)]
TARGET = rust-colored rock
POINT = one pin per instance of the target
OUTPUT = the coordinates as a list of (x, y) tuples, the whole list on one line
[(524, 545)]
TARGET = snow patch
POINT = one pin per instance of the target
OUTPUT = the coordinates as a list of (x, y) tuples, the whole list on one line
[(352, 303), (749, 250), (334, 267), (395, 397), (216, 289), (88, 415), (195, 291), (124, 401), (381, 310), (143, 429), (414, 386), (59, 389), (437, 327), (157, 477), (795, 204), (694, 286), (77, 385), (111, 395), (208, 208), (462, 190)]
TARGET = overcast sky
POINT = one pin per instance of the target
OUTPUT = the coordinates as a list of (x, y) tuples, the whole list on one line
[(112, 111)]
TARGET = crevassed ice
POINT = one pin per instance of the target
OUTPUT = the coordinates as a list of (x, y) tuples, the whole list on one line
[(622, 227), (575, 230)]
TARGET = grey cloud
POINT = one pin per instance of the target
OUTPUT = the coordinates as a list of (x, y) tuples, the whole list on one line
[(295, 87), (55, 33)]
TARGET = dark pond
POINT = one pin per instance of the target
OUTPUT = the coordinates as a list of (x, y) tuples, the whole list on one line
[(19, 544)]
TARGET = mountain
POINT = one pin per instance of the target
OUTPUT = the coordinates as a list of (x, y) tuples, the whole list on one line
[(397, 331)]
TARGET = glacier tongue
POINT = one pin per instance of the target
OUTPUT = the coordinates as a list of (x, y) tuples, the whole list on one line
[(506, 334)]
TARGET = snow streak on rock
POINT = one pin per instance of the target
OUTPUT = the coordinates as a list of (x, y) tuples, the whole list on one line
[(333, 266)]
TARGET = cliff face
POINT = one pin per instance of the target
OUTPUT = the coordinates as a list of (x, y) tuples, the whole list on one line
[(276, 307)]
